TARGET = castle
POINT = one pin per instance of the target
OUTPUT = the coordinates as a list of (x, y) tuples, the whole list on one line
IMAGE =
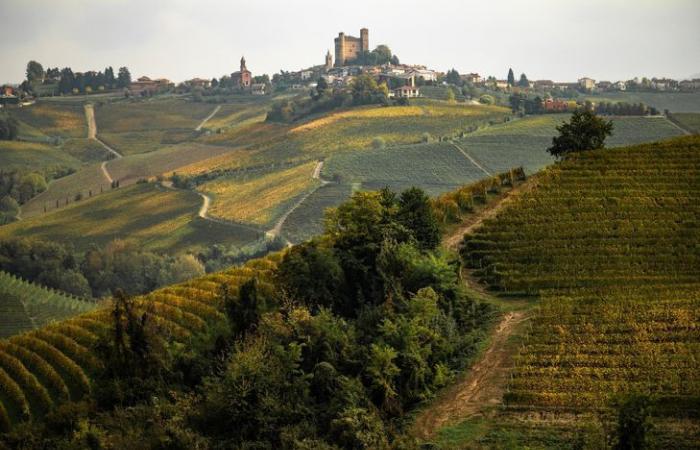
[(348, 48)]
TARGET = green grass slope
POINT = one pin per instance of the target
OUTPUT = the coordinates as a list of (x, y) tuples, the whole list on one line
[(609, 239), (26, 306)]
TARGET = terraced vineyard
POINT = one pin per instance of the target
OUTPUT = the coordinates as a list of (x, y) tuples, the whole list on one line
[(46, 367), (610, 240), (26, 306), (307, 220)]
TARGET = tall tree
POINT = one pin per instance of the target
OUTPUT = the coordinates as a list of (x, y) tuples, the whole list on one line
[(585, 131), (416, 213), (511, 78), (123, 78), (523, 81), (35, 72)]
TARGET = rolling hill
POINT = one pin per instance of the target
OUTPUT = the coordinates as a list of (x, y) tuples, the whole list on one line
[(608, 240)]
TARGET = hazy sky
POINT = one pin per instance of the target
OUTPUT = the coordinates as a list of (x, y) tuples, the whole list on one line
[(179, 39)]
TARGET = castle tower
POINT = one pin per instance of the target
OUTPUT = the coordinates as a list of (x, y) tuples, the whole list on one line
[(243, 68), (329, 60), (364, 39), (340, 49)]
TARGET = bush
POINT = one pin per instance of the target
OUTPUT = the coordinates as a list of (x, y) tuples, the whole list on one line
[(487, 100), (378, 143)]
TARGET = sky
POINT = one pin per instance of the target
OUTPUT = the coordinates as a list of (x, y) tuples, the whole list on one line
[(560, 40)]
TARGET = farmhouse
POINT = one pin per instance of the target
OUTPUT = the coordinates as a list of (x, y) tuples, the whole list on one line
[(348, 48), (146, 86), (619, 86), (243, 78), (198, 82), (555, 105)]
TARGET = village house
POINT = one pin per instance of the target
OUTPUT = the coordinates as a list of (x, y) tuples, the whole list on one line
[(145, 86), (500, 84), (198, 82), (552, 105), (258, 89), (405, 92), (587, 84), (619, 86), (544, 85), (472, 78), (243, 78), (689, 85), (604, 85)]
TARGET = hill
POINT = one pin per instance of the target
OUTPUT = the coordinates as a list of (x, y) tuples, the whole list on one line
[(147, 214), (608, 239), (27, 306), (47, 367)]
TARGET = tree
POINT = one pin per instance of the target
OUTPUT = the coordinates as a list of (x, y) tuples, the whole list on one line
[(243, 312), (35, 72), (8, 129), (523, 81), (511, 78), (450, 95), (585, 131), (416, 213), (633, 422), (452, 77), (123, 78)]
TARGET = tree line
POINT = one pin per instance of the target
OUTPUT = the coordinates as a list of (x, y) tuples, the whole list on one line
[(67, 81), (98, 272)]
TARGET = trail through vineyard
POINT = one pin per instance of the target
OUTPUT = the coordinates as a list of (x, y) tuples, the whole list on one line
[(452, 240), (481, 388)]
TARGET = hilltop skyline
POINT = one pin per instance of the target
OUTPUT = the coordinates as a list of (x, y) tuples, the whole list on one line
[(180, 40)]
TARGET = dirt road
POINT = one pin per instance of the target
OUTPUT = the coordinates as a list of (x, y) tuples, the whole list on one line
[(92, 134), (206, 119), (482, 387)]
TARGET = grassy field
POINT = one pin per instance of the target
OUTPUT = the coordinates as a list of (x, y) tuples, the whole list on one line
[(688, 121), (609, 241), (676, 102), (53, 119), (151, 216), (259, 199), (26, 306), (307, 220)]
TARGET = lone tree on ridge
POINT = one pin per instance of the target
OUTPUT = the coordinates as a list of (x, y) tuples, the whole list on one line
[(585, 131)]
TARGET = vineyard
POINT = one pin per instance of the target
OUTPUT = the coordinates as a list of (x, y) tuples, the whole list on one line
[(26, 306), (259, 199), (609, 239), (54, 119), (307, 220), (146, 214), (40, 369), (688, 121)]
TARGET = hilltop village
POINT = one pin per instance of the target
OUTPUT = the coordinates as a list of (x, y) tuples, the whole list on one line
[(351, 58)]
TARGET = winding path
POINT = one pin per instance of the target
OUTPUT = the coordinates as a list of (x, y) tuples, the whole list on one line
[(92, 134), (206, 119), (483, 385), (277, 229)]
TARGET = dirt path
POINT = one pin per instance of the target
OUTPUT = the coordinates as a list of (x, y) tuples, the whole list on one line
[(473, 161), (675, 124), (455, 238), (206, 119), (482, 387), (92, 134), (316, 175)]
